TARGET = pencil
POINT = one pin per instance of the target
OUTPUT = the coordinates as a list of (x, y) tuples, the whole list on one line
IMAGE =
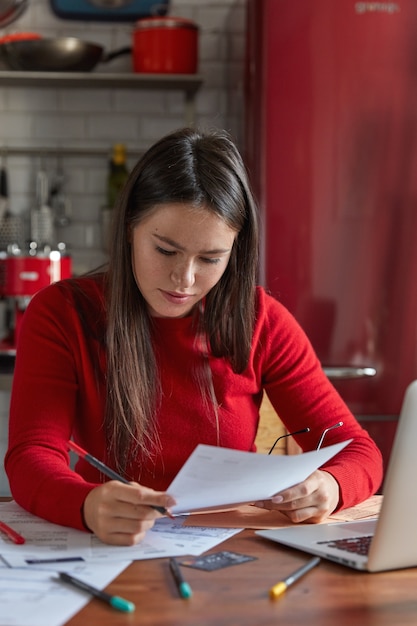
[(280, 587), (115, 601), (109, 472)]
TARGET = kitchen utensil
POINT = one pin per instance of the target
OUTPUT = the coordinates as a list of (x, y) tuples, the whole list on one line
[(22, 274), (108, 10), (165, 45), (56, 54), (12, 232), (11, 10), (42, 230), (4, 193), (60, 202)]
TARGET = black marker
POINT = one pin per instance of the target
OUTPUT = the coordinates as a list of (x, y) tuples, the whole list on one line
[(66, 559), (184, 588), (115, 601)]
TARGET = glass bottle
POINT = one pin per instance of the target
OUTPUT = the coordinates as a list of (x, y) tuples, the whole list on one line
[(117, 174)]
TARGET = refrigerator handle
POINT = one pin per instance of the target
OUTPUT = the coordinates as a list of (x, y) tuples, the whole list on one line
[(348, 372)]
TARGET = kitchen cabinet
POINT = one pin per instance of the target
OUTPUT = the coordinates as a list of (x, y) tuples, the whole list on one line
[(187, 83)]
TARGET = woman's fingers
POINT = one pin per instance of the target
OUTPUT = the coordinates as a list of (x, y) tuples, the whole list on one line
[(312, 500), (121, 514)]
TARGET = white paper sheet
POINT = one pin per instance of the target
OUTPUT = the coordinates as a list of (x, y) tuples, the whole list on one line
[(167, 538), (210, 478), (215, 477), (42, 538), (31, 597)]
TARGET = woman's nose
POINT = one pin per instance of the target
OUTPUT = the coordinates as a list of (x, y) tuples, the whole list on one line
[(183, 275)]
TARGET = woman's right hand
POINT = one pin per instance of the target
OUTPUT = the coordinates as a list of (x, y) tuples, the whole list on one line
[(120, 514)]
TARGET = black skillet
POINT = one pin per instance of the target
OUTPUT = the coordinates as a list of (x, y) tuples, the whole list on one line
[(59, 54)]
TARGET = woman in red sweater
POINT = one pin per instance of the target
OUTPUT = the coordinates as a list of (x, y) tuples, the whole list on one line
[(171, 346)]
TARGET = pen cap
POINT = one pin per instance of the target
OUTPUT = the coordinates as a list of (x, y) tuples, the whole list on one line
[(277, 590)]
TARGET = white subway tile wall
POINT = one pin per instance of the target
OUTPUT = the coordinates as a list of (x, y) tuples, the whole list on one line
[(96, 118)]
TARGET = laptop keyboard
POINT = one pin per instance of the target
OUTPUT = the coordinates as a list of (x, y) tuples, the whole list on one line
[(357, 545)]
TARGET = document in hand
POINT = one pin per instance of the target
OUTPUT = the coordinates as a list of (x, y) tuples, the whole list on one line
[(214, 478)]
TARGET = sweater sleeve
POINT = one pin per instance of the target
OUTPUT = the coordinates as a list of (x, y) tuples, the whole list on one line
[(53, 370), (303, 396)]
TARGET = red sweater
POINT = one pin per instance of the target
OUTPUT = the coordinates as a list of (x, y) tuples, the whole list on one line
[(59, 390)]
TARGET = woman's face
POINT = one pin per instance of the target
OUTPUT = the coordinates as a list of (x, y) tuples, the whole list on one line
[(179, 253)]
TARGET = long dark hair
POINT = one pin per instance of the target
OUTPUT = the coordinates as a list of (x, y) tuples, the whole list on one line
[(206, 170)]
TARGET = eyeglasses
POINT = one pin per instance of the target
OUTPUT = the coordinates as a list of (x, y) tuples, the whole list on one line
[(307, 430), (324, 433), (297, 432)]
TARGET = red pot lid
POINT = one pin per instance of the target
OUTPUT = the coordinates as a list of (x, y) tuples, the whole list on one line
[(165, 22)]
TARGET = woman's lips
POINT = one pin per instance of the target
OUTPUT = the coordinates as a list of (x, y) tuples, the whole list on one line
[(176, 298)]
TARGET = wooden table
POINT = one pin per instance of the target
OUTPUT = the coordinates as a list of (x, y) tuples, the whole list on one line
[(329, 595)]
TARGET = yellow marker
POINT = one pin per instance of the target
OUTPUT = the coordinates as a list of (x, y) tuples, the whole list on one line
[(280, 587)]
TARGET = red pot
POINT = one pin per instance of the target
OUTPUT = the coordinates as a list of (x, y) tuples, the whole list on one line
[(165, 45)]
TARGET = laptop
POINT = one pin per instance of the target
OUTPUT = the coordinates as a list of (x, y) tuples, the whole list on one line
[(375, 545)]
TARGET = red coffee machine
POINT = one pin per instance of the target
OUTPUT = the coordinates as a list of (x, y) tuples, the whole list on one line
[(21, 276)]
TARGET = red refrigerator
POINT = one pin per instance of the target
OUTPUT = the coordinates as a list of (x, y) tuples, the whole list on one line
[(331, 145)]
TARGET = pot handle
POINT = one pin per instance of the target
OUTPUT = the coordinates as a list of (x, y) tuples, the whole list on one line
[(116, 53)]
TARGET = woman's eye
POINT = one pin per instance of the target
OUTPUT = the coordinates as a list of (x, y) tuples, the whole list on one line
[(210, 261), (166, 252), (207, 260)]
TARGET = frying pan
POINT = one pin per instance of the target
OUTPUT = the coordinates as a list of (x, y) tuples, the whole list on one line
[(59, 54), (10, 10)]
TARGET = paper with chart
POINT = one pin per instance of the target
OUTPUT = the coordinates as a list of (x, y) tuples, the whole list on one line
[(214, 477)]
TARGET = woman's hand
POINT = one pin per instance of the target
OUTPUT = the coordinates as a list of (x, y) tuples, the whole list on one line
[(312, 500), (121, 514)]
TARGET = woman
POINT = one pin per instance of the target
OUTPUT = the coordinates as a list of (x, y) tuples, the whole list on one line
[(172, 346)]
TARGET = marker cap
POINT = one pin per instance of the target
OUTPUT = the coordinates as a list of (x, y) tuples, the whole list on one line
[(277, 590), (122, 605), (185, 590)]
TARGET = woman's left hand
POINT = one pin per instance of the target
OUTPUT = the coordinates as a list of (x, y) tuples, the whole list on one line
[(312, 500)]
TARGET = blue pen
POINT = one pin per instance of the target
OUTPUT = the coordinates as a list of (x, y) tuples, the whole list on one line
[(115, 601), (184, 588)]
